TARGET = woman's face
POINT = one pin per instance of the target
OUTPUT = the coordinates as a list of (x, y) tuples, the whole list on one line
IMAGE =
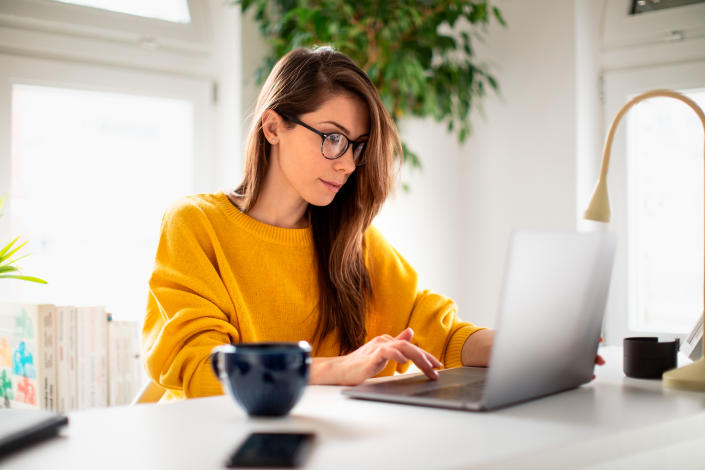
[(313, 177)]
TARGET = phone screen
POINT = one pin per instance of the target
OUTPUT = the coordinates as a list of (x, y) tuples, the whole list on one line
[(272, 450)]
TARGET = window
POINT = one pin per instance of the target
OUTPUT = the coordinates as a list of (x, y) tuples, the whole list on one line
[(665, 214), (643, 6), (96, 157), (107, 115), (656, 195), (176, 11), (84, 26), (92, 173)]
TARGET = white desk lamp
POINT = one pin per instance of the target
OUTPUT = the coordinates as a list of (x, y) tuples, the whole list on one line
[(691, 376)]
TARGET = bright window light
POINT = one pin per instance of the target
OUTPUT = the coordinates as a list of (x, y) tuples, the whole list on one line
[(92, 174), (665, 214), (175, 11)]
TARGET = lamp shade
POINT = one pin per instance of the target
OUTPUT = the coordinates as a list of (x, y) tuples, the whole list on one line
[(599, 207)]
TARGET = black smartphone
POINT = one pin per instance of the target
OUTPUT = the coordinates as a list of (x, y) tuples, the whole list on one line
[(260, 449)]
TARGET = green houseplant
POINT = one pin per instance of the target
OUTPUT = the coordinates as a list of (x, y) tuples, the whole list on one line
[(8, 265), (416, 52)]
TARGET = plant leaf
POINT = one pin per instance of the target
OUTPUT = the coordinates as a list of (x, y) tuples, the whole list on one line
[(23, 278), (7, 247), (14, 261), (4, 257), (498, 15), (417, 53)]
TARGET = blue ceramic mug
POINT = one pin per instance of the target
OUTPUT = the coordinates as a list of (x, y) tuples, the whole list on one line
[(266, 379)]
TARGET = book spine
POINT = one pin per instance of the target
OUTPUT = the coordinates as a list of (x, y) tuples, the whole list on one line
[(71, 373), (46, 353), (61, 359), (136, 373), (124, 364), (84, 342), (100, 370), (66, 358), (113, 361)]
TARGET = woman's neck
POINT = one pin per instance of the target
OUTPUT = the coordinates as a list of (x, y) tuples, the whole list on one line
[(278, 203), (279, 212)]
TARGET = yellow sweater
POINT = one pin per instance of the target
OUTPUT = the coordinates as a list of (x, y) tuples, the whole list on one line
[(221, 276)]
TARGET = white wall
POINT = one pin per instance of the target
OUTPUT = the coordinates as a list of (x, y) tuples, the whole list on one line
[(227, 64), (589, 124), (516, 172), (521, 166)]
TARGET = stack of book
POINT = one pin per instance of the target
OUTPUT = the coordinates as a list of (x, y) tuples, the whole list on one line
[(66, 358)]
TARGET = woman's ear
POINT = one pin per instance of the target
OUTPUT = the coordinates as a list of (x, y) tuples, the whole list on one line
[(272, 126)]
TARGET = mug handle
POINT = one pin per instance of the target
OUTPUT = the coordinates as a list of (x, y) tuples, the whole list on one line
[(217, 358)]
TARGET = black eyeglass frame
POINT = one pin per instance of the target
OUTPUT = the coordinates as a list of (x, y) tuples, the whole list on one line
[(324, 136)]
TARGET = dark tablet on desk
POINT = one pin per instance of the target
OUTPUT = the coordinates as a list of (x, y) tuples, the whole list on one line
[(19, 428)]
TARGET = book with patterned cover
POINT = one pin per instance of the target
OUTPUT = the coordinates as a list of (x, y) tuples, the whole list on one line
[(28, 370)]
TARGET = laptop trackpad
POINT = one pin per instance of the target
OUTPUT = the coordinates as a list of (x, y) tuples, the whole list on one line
[(450, 383)]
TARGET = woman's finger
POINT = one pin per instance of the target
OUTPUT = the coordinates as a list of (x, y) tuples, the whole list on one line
[(406, 335), (417, 355), (432, 359), (391, 353)]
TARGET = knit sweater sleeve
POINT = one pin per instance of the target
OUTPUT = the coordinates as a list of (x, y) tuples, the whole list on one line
[(188, 310), (398, 303)]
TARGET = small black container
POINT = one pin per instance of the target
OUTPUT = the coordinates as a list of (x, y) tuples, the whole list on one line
[(646, 358)]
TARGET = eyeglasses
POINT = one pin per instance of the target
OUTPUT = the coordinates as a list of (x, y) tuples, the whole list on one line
[(334, 144)]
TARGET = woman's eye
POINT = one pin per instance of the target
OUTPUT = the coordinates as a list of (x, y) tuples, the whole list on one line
[(335, 138)]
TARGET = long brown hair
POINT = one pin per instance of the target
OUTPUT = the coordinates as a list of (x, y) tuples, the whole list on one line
[(298, 84)]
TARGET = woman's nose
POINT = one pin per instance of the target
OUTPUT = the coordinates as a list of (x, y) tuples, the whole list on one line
[(346, 162)]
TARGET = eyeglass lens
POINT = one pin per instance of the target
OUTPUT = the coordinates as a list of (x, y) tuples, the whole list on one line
[(334, 145)]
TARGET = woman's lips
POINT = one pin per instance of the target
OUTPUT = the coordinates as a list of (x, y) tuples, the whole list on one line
[(333, 187)]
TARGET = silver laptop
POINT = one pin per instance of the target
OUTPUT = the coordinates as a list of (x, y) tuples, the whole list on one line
[(550, 319)]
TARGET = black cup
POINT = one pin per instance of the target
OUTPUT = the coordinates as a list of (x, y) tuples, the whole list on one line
[(266, 379), (647, 358)]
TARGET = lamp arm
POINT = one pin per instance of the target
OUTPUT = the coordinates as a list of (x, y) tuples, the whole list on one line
[(628, 105)]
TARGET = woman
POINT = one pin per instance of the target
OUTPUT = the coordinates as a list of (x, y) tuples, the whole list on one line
[(290, 254)]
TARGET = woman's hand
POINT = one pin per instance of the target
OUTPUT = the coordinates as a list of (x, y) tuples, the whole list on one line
[(370, 358), (599, 360)]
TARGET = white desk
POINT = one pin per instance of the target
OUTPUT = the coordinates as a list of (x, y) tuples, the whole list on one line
[(614, 422)]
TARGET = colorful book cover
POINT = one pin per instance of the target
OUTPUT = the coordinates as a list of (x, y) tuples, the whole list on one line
[(27, 356)]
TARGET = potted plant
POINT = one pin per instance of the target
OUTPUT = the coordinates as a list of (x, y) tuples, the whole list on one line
[(416, 52)]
